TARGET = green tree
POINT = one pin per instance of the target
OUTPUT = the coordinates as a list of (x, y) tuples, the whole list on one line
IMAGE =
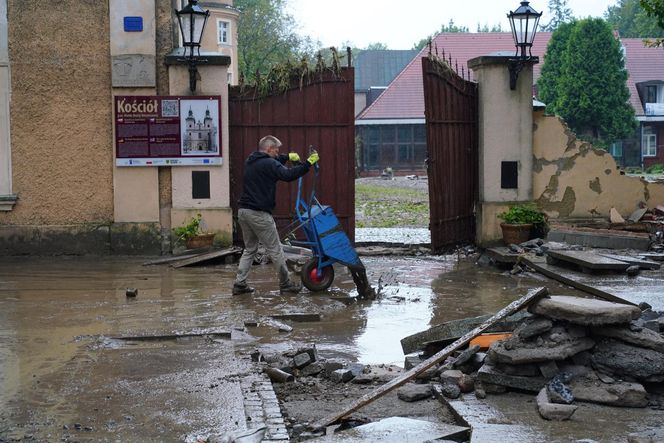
[(547, 84), (632, 20), (592, 89), (266, 37), (655, 9), (560, 14)]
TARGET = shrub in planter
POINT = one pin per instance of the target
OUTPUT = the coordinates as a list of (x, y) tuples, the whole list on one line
[(522, 220), (192, 234)]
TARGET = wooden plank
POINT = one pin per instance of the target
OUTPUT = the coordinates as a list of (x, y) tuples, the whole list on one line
[(533, 295), (164, 260), (589, 260), (553, 272), (206, 256), (641, 263)]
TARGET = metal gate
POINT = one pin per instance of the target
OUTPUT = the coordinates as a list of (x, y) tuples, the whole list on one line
[(318, 112), (451, 112)]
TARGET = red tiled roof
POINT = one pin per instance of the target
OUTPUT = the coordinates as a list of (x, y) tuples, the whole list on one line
[(643, 64), (404, 97)]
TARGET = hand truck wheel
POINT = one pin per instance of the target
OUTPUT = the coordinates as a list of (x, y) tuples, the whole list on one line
[(310, 278)]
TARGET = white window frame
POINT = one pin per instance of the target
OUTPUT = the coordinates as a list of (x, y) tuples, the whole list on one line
[(7, 198), (220, 40), (616, 149), (648, 142)]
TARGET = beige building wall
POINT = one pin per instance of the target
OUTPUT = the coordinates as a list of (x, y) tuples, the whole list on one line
[(61, 139), (222, 12), (572, 179)]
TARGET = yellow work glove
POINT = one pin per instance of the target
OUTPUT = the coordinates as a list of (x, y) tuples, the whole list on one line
[(313, 158), (293, 156)]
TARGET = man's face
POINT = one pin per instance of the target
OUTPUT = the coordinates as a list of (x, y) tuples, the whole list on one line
[(273, 151)]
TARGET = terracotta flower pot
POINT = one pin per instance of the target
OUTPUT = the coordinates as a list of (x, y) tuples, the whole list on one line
[(199, 241), (516, 234)]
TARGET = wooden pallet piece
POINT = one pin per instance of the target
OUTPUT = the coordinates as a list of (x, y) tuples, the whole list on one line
[(205, 257), (533, 295)]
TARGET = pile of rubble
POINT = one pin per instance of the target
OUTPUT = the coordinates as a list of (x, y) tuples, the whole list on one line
[(568, 349)]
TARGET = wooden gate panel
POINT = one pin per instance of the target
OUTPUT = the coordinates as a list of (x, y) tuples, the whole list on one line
[(451, 112), (319, 114)]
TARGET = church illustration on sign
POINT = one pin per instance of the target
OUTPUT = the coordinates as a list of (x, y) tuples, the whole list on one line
[(200, 136)]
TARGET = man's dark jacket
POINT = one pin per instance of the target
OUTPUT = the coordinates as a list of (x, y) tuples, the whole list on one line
[(261, 173)]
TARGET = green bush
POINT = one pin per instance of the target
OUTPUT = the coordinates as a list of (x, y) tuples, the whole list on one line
[(191, 229), (657, 168), (523, 214)]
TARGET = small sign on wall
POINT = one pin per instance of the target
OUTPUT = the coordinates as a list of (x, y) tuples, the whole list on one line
[(167, 131)]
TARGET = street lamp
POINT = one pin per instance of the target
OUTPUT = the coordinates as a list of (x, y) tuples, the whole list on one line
[(192, 19), (523, 22)]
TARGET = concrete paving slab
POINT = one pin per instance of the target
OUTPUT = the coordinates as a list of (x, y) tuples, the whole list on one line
[(395, 429), (641, 263), (600, 240), (588, 260)]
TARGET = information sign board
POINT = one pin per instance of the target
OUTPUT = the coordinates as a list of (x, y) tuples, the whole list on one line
[(167, 130)]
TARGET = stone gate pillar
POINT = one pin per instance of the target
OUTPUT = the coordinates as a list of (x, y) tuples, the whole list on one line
[(505, 140)]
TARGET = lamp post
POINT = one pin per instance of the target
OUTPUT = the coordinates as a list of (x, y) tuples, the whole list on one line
[(192, 20), (523, 22)]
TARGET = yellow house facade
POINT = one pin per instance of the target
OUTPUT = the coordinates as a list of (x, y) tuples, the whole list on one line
[(61, 190)]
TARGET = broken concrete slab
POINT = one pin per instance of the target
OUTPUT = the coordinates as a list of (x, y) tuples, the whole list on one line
[(600, 240), (585, 311), (642, 337), (488, 374), (398, 429), (532, 327), (570, 278), (586, 260), (520, 352), (641, 263), (411, 392), (553, 411), (447, 332), (588, 387), (637, 215), (615, 217), (616, 357)]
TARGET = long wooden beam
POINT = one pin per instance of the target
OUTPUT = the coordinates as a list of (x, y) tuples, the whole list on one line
[(533, 294)]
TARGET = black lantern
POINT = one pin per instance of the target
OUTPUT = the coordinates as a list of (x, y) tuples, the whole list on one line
[(192, 19), (524, 23)]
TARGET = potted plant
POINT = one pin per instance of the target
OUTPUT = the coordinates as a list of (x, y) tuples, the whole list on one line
[(193, 235), (520, 220)]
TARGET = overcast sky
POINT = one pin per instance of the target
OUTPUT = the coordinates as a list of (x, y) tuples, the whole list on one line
[(400, 24)]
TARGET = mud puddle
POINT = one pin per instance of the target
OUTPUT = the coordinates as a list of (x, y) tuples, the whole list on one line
[(61, 364)]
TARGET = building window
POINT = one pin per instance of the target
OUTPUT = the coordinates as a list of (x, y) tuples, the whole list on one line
[(651, 94), (229, 78), (649, 142), (616, 149), (223, 32)]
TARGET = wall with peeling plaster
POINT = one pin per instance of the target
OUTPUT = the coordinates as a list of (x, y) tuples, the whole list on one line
[(571, 179)]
